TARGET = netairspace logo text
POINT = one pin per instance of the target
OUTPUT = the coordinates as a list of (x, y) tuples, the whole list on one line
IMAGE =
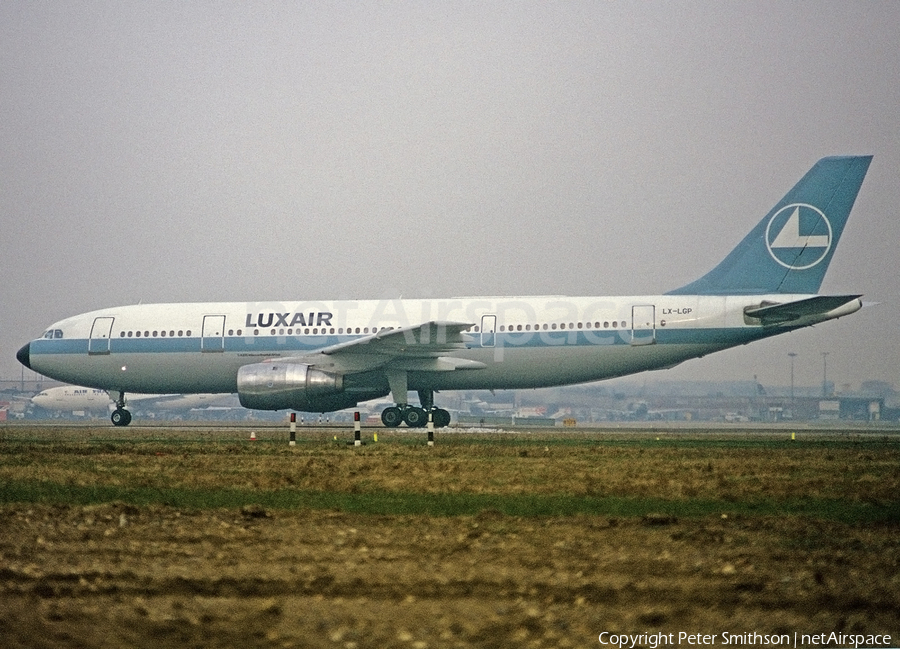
[(726, 639)]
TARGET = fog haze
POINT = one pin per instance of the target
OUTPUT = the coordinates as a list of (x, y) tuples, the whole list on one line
[(164, 152)]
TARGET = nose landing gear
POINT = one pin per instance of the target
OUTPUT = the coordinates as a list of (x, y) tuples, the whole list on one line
[(120, 416)]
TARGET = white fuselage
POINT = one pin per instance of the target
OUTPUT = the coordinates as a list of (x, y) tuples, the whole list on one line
[(515, 342)]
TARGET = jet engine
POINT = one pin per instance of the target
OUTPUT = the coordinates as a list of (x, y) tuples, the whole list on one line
[(292, 386)]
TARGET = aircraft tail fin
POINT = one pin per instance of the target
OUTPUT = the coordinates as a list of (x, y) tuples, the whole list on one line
[(790, 249)]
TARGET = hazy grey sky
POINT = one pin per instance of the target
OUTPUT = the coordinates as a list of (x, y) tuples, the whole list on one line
[(170, 151)]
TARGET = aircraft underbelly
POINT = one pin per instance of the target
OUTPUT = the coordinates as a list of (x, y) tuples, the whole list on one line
[(145, 373), (543, 367)]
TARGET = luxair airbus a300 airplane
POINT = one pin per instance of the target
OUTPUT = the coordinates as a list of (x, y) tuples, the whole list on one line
[(320, 356)]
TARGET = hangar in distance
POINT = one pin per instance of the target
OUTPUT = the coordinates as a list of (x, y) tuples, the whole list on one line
[(320, 356)]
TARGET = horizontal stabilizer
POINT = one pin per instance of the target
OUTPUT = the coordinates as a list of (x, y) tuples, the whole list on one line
[(825, 306)]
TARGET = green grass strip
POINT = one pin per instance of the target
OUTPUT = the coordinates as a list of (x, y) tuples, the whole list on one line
[(395, 503)]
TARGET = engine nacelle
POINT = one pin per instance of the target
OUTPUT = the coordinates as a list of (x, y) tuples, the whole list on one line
[(294, 386)]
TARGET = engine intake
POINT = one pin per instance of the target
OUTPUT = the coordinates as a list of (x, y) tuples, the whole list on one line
[(294, 386)]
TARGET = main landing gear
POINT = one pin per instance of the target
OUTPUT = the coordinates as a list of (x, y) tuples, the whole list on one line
[(413, 416), (120, 416)]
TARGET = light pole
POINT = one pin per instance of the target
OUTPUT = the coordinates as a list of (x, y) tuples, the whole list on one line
[(793, 355), (825, 374)]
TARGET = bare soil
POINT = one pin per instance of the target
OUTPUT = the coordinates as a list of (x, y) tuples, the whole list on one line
[(120, 575)]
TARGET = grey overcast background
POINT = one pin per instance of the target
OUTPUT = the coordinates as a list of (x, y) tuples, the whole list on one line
[(171, 151)]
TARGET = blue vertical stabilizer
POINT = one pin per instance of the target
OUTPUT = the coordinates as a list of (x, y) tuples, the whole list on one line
[(790, 249)]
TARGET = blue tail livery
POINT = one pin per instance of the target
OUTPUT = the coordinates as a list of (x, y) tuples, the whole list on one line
[(790, 249)]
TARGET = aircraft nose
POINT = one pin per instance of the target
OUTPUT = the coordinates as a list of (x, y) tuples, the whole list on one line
[(24, 355)]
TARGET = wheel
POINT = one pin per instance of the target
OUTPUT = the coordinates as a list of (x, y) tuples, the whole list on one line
[(440, 417), (120, 417), (415, 417), (391, 417)]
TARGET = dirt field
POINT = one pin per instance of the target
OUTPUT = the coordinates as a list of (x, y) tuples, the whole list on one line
[(134, 572)]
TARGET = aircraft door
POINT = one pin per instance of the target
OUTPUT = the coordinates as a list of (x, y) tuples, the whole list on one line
[(643, 324), (212, 339), (101, 331), (488, 329)]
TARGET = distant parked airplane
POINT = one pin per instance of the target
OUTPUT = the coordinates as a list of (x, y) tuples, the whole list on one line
[(326, 355), (74, 398)]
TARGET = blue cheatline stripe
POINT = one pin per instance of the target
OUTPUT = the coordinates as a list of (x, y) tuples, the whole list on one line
[(532, 340)]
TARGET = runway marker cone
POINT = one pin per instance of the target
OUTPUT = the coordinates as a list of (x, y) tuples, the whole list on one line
[(252, 435)]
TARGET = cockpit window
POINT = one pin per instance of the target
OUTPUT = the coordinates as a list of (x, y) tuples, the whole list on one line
[(57, 333), (53, 333)]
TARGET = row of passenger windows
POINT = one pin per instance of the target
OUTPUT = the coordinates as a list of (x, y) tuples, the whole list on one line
[(147, 334), (571, 325), (172, 333)]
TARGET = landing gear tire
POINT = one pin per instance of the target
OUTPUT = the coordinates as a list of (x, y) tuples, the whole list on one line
[(392, 417), (440, 417), (415, 417), (120, 417)]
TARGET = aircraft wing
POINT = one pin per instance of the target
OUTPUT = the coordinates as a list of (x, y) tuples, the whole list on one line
[(771, 313), (422, 347)]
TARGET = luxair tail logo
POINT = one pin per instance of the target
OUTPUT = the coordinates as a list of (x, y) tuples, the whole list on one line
[(798, 236)]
